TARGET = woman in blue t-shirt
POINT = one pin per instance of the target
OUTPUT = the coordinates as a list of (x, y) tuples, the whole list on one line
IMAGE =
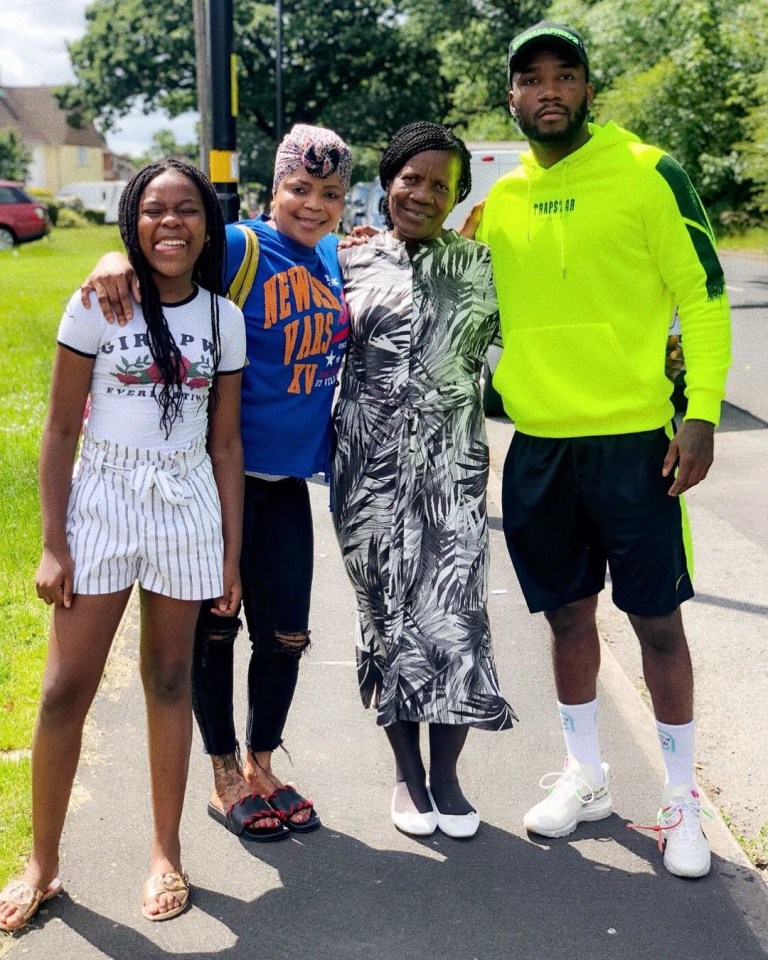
[(296, 327)]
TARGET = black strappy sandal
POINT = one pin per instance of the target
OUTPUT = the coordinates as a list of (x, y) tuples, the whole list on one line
[(286, 801), (242, 816)]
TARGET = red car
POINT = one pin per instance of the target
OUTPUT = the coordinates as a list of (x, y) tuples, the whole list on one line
[(21, 217)]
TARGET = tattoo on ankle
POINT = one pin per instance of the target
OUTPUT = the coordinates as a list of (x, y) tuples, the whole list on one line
[(226, 763), (227, 775)]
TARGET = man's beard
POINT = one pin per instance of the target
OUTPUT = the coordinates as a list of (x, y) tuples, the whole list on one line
[(568, 134)]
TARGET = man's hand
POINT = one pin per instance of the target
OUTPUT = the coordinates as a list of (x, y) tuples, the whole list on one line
[(468, 229), (114, 283), (693, 450)]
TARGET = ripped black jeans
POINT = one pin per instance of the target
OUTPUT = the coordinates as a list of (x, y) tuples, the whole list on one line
[(276, 570)]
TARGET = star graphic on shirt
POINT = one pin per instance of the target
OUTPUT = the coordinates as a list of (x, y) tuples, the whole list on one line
[(330, 358)]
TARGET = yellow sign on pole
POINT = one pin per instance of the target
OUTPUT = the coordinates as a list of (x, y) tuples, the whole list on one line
[(225, 166)]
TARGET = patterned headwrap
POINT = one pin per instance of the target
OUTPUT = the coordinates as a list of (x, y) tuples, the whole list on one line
[(318, 150)]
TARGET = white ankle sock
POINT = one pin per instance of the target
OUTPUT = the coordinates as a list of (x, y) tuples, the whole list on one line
[(580, 729), (677, 750)]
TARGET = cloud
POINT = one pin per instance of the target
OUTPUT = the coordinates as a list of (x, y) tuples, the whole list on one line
[(33, 51), (34, 37), (134, 132)]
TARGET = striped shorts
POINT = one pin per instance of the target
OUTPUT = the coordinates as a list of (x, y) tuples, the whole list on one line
[(145, 515)]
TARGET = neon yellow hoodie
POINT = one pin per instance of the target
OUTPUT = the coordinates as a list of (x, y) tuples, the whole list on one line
[(590, 259)]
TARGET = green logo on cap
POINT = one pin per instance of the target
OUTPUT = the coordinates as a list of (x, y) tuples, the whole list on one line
[(534, 32)]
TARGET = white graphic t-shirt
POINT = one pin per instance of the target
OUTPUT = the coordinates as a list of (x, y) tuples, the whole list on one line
[(122, 406)]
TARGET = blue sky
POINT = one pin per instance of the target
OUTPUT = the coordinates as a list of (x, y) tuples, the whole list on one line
[(33, 50)]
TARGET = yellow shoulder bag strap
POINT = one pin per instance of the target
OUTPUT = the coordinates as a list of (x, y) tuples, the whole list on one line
[(246, 274)]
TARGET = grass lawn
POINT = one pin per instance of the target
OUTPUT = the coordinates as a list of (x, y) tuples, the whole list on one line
[(754, 241), (36, 281)]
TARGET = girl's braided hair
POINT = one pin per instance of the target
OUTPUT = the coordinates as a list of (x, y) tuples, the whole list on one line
[(416, 138), (208, 273)]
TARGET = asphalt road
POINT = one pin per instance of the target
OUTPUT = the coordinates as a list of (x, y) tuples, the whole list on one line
[(747, 284)]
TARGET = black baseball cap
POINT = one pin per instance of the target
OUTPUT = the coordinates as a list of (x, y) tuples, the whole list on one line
[(545, 33)]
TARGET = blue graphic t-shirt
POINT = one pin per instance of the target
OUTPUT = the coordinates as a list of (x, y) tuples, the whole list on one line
[(296, 328)]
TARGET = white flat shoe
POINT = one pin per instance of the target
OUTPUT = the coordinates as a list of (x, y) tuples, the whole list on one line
[(459, 827), (412, 822)]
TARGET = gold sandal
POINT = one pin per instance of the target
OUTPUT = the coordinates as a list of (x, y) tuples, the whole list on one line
[(177, 884), (27, 900)]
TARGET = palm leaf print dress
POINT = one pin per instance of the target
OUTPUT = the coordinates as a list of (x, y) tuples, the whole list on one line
[(409, 479)]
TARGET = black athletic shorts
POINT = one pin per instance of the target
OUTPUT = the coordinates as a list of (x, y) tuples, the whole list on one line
[(573, 505)]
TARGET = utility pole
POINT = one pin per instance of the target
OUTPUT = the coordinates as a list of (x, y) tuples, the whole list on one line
[(279, 109), (203, 74), (224, 163)]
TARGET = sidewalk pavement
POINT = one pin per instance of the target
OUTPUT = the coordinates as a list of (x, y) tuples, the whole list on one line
[(359, 890)]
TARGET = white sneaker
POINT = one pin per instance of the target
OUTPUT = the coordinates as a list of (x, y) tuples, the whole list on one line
[(686, 849), (573, 797)]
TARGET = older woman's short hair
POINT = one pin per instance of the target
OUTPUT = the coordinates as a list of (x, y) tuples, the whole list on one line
[(417, 138)]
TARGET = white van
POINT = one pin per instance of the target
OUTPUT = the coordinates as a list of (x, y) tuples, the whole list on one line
[(97, 195), (489, 162)]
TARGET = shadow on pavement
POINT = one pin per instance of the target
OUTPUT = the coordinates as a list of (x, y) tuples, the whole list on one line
[(733, 419), (498, 897), (760, 609)]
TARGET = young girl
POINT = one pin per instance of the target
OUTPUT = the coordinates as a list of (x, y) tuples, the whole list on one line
[(296, 329), (156, 497)]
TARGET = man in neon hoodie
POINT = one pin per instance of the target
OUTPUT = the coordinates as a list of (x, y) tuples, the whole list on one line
[(595, 240)]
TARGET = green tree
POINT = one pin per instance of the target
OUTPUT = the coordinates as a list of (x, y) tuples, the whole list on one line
[(680, 75), (362, 67), (750, 32), (14, 157), (132, 53), (472, 40), (164, 144), (354, 65)]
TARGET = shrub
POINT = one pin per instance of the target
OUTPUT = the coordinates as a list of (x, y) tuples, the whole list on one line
[(70, 202), (68, 218), (94, 216), (737, 221)]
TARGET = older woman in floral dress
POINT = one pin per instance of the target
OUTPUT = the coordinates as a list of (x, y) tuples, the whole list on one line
[(410, 474)]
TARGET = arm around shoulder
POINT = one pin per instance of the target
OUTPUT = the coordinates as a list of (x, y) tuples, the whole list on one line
[(468, 229), (114, 282)]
